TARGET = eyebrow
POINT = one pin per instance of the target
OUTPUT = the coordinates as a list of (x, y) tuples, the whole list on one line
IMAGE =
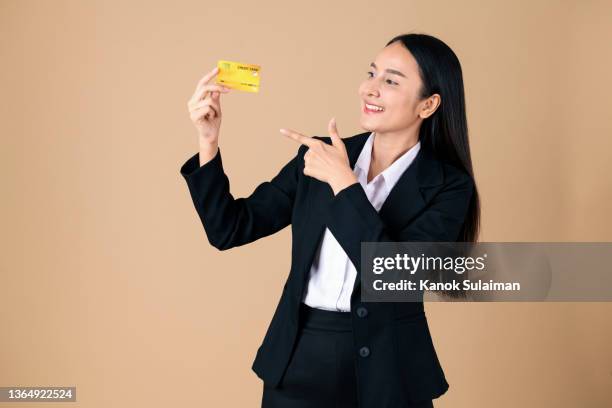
[(389, 70)]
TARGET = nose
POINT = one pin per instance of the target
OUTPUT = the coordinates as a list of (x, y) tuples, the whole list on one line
[(371, 90)]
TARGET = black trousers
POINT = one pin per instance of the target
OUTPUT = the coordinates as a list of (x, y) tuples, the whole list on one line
[(322, 369)]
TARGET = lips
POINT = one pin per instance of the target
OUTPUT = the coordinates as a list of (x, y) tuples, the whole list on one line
[(372, 109)]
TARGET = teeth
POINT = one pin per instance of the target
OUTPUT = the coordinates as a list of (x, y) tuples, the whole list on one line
[(374, 107)]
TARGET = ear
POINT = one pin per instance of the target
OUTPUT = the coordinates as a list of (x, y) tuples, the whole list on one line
[(430, 105)]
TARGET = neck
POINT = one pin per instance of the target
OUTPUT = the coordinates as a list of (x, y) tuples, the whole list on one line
[(388, 146)]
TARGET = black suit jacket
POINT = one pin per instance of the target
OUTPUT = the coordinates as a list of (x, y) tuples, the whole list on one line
[(428, 203)]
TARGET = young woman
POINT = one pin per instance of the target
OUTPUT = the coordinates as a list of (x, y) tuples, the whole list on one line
[(407, 178)]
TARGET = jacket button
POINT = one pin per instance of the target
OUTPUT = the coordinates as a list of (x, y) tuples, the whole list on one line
[(364, 351), (362, 311)]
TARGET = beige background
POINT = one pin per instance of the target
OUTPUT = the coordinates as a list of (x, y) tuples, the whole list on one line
[(107, 280)]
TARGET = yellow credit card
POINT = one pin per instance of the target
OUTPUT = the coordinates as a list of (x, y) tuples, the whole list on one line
[(237, 75)]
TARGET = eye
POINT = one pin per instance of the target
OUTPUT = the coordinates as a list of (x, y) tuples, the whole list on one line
[(390, 82)]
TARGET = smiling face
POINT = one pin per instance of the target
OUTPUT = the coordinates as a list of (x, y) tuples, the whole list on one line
[(393, 83)]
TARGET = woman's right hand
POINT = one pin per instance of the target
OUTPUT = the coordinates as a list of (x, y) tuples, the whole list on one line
[(205, 108)]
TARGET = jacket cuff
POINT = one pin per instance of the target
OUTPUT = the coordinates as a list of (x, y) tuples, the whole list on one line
[(351, 205), (191, 168)]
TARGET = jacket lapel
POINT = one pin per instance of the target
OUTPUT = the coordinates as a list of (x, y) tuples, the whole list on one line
[(414, 189)]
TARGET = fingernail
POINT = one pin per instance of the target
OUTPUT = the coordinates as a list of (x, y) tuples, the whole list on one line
[(282, 130)]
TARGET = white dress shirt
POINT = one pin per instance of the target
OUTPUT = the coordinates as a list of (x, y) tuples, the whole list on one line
[(332, 274)]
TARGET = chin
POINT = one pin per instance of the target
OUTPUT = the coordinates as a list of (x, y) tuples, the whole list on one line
[(369, 125)]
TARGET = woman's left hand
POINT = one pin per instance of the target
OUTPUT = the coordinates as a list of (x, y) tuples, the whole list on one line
[(325, 162)]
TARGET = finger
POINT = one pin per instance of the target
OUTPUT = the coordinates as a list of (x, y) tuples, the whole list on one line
[(216, 105), (206, 78), (207, 112), (216, 110), (309, 171), (214, 102), (211, 96), (311, 155), (211, 88), (305, 140), (333, 133), (201, 93), (195, 101), (307, 156)]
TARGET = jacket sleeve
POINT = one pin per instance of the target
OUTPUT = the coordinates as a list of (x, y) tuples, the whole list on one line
[(231, 222), (353, 220)]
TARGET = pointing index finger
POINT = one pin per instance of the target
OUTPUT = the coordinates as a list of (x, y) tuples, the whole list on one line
[(305, 140)]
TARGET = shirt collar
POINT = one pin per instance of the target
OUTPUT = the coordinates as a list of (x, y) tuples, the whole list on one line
[(392, 173)]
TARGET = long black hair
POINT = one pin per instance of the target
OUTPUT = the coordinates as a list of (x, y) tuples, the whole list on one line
[(445, 132)]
